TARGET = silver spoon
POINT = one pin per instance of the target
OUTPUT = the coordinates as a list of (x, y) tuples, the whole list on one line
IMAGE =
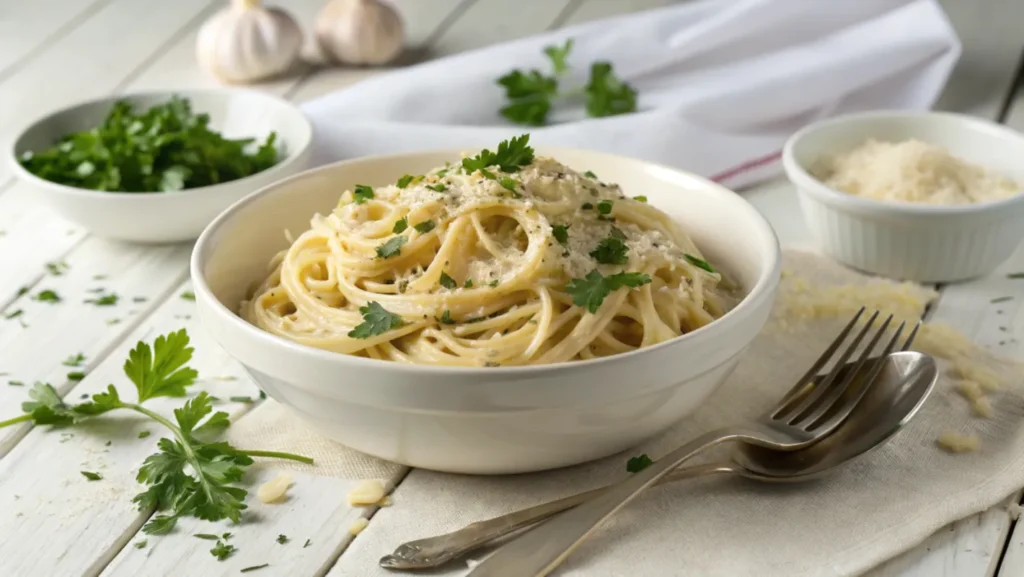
[(905, 381)]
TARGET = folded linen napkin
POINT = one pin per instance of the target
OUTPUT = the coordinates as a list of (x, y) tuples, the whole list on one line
[(867, 512), (721, 83)]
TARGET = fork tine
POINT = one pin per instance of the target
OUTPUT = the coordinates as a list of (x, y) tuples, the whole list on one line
[(820, 427), (813, 371), (910, 339), (821, 388), (816, 411)]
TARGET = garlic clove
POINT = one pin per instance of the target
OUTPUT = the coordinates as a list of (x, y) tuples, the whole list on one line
[(245, 42), (360, 31)]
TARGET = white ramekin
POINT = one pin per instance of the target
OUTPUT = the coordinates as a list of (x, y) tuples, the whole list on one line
[(910, 241), (487, 420)]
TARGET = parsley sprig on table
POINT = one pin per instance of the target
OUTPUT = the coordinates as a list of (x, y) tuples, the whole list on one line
[(192, 475), (165, 148), (531, 94)]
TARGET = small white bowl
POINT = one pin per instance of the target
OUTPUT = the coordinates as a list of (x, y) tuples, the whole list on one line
[(160, 217), (486, 420), (902, 240)]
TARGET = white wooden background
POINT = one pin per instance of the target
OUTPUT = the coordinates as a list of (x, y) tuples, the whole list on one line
[(55, 52)]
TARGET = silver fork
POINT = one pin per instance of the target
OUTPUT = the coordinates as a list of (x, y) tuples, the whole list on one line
[(802, 417), (440, 549)]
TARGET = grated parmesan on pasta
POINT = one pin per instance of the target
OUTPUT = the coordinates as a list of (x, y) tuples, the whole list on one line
[(912, 171)]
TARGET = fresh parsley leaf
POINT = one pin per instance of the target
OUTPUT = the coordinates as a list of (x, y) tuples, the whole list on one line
[(140, 544), (404, 181), (699, 263), (254, 568), (222, 550), (493, 283), (638, 463), (590, 174), (561, 234), (607, 95), (1015, 275), (76, 376), (160, 371), (1001, 299), (57, 268), (91, 476), (590, 292), (424, 227), (616, 233), (512, 155), (206, 536), (104, 301), (610, 250), (188, 295), (74, 360), (14, 314), (282, 539), (307, 543), (558, 56), (163, 148), (640, 198), (392, 247), (144, 434), (509, 184), (446, 318), (376, 320), (447, 281), (441, 173), (362, 194), (529, 95), (469, 283), (47, 296), (439, 187), (604, 207), (586, 206), (16, 383), (400, 226), (226, 536), (24, 290), (240, 399)]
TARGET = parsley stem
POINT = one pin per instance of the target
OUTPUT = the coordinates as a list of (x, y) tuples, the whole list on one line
[(16, 420), (277, 455)]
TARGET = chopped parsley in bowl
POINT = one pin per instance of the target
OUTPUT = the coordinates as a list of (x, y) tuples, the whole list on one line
[(164, 148)]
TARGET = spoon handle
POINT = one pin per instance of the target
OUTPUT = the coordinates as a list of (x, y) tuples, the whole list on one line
[(435, 551)]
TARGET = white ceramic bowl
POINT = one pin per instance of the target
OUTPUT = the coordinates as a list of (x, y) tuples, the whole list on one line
[(167, 216), (910, 241), (493, 420)]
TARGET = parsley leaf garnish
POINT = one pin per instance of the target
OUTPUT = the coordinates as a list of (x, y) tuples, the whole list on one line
[(586, 206), (589, 292), (590, 174), (188, 295), (376, 320), (607, 95), (512, 155), (446, 317), (140, 544), (558, 56), (362, 194), (699, 263), (561, 233), (104, 301), (392, 247), (14, 314), (47, 296), (447, 281), (76, 376), (493, 283), (1001, 299), (530, 94), (282, 539), (640, 198), (424, 227), (160, 371), (164, 148), (638, 463), (439, 187), (254, 568), (91, 476), (469, 283), (57, 268), (509, 185), (222, 550), (604, 207), (610, 250), (400, 226), (404, 181)]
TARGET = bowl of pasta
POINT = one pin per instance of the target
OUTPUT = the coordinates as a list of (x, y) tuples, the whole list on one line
[(490, 312)]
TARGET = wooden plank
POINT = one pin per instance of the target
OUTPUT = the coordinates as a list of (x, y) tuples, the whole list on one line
[(138, 275), (1013, 558), (992, 46), (55, 522), (91, 60), (27, 28), (423, 19)]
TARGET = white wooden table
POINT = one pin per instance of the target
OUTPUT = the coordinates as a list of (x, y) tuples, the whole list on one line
[(54, 52)]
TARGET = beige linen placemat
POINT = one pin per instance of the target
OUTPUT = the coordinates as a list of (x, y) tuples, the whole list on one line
[(844, 524)]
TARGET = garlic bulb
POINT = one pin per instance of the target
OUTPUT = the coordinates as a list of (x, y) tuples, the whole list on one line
[(246, 42), (360, 31)]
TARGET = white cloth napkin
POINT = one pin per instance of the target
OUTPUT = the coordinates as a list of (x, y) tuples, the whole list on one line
[(875, 508), (721, 83)]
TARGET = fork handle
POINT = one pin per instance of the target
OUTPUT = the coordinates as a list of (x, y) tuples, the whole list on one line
[(538, 551), (440, 549)]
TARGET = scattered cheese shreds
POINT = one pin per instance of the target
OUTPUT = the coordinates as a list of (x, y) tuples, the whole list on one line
[(274, 490), (970, 390), (982, 407), (368, 492), (358, 525), (954, 442)]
